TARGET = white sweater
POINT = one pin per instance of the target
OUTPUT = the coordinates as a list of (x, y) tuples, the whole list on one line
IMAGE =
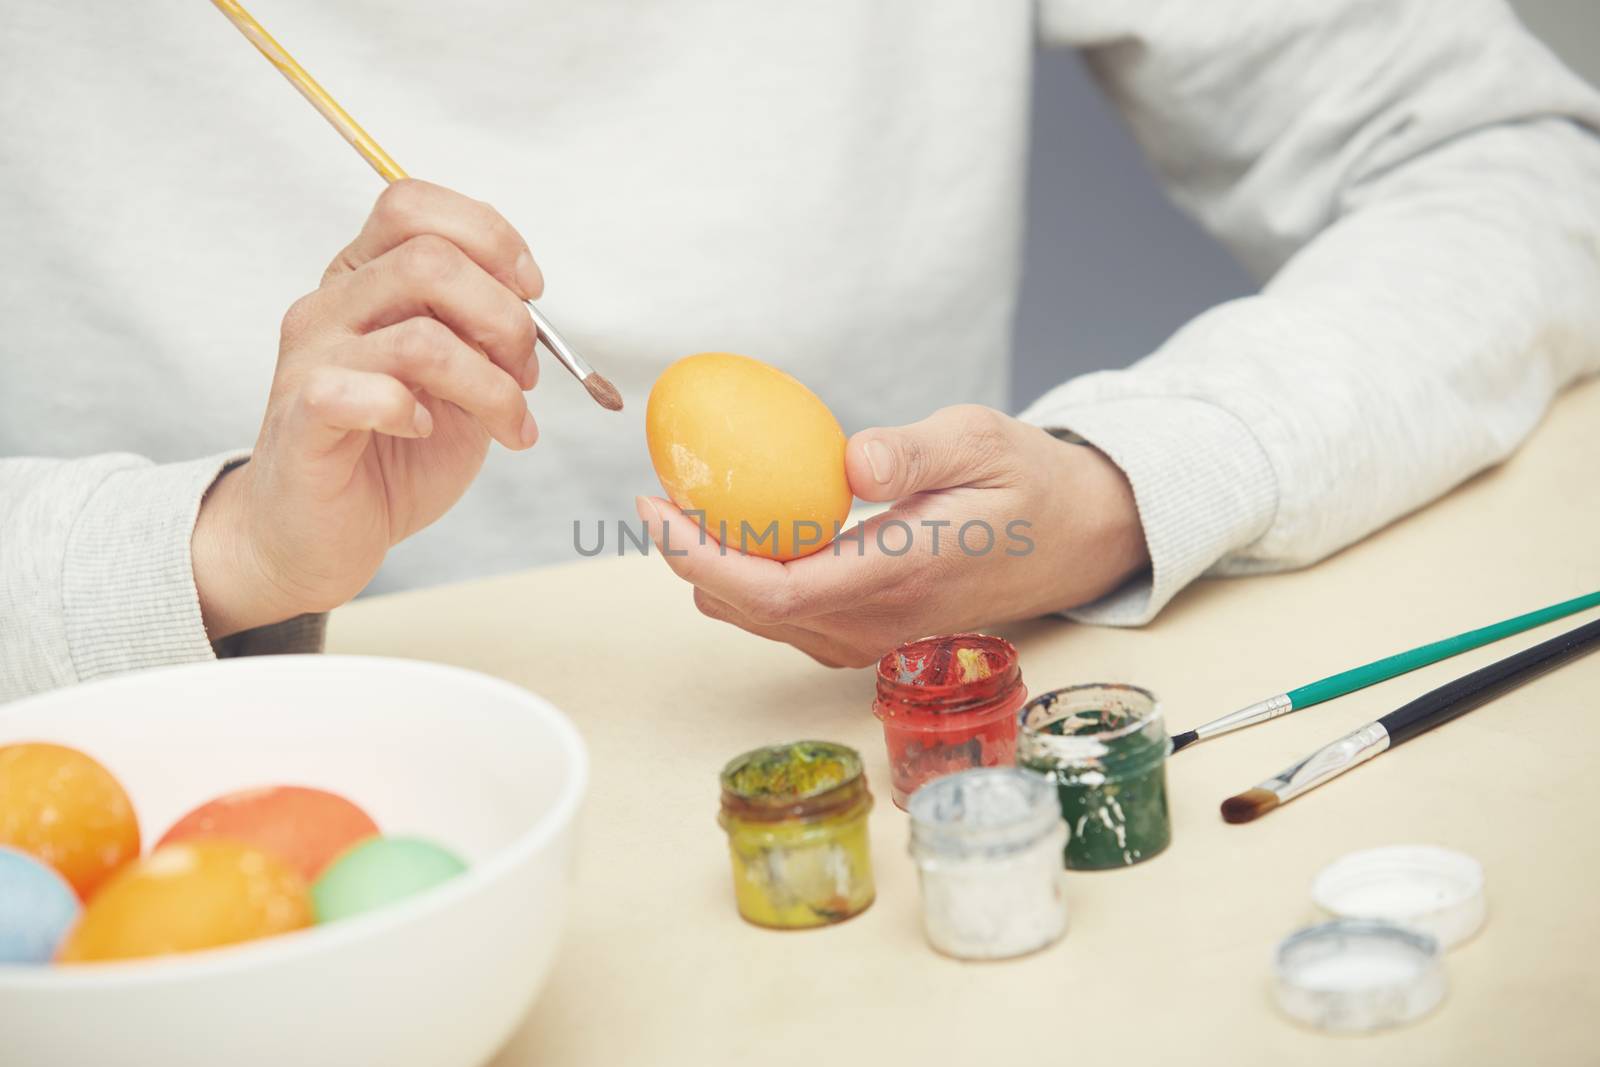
[(834, 187)]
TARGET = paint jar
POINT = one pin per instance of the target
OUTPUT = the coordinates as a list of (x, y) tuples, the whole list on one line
[(987, 844), (948, 704), (1105, 746), (796, 817)]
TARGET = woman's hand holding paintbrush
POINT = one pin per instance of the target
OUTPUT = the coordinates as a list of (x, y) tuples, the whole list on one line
[(391, 379), (598, 387)]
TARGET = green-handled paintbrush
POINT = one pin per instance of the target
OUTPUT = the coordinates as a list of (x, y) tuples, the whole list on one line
[(1337, 685)]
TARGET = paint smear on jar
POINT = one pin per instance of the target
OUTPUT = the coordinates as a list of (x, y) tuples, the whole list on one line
[(1105, 747), (947, 704), (796, 819)]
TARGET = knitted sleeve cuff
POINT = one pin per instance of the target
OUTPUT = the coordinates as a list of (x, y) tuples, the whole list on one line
[(1202, 482)]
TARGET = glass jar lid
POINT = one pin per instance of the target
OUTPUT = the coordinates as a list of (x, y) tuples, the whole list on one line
[(1104, 727), (1433, 890), (983, 810), (1357, 975), (947, 675), (801, 779)]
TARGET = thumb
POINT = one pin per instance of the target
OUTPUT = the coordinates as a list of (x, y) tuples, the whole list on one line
[(954, 446)]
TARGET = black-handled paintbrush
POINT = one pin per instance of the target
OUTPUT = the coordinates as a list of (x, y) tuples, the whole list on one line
[(1337, 685), (1421, 715)]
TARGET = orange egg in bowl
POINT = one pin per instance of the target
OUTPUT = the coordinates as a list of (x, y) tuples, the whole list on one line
[(165, 970)]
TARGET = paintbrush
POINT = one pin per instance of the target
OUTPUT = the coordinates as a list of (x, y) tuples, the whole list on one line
[(605, 394), (1337, 685), (1418, 717)]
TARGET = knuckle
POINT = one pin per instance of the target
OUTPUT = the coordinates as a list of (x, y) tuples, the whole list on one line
[(913, 464), (523, 332), (322, 391), (708, 605), (854, 657), (508, 398), (298, 317), (343, 263), (977, 420), (775, 607), (984, 431), (421, 342), (501, 232), (400, 203), (515, 330), (428, 257), (397, 403), (764, 612)]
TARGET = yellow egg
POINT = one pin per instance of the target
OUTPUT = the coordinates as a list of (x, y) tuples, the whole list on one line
[(753, 449), (189, 896)]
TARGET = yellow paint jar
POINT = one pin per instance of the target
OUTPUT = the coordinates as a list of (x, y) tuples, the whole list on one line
[(796, 817)]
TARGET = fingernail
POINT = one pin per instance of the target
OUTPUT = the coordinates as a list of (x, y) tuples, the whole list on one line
[(529, 279), (530, 373), (530, 432), (649, 515), (421, 421), (881, 459)]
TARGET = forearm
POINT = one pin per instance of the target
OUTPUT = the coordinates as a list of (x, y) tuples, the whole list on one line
[(96, 572), (1263, 119), (1420, 178), (1414, 343)]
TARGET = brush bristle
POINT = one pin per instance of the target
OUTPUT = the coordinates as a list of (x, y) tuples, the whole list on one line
[(1249, 805), (605, 394), (1184, 740)]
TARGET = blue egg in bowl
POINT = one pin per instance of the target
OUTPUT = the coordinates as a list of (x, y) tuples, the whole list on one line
[(440, 978), (37, 908)]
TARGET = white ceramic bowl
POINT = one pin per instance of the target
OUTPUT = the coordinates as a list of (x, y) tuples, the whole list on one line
[(487, 769)]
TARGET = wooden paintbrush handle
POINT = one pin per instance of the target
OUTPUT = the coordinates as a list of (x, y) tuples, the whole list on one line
[(1481, 686), (326, 105)]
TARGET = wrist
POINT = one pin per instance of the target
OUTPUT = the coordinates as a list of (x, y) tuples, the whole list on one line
[(234, 592), (1110, 530)]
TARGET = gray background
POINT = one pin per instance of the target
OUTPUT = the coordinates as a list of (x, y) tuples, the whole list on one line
[(1111, 268)]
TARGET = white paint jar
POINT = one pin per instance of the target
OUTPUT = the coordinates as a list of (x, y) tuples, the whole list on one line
[(987, 843)]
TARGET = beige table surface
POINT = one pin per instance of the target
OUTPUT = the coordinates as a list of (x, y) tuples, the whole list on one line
[(1165, 962)]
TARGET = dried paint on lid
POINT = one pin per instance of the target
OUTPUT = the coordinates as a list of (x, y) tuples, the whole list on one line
[(983, 811), (947, 675), (1358, 975), (801, 779), (1434, 890)]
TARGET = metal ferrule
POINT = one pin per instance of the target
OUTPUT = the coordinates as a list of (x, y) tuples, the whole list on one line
[(1260, 711), (1329, 761), (558, 345)]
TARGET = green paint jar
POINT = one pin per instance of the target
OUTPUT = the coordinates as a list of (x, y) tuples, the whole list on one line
[(1105, 746)]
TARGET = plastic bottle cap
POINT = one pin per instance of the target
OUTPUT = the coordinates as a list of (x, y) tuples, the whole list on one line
[(1432, 890), (1356, 975)]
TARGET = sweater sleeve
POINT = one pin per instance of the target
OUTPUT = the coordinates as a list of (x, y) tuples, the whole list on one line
[(1419, 183), (96, 576)]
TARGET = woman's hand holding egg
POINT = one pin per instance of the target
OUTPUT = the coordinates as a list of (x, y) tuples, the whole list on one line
[(392, 377), (851, 602)]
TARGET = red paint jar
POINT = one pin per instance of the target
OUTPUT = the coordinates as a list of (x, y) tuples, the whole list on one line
[(947, 704)]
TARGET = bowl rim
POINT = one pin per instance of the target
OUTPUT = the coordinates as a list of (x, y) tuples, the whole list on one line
[(228, 959)]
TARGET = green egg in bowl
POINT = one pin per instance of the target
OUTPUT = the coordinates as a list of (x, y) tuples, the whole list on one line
[(440, 975)]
